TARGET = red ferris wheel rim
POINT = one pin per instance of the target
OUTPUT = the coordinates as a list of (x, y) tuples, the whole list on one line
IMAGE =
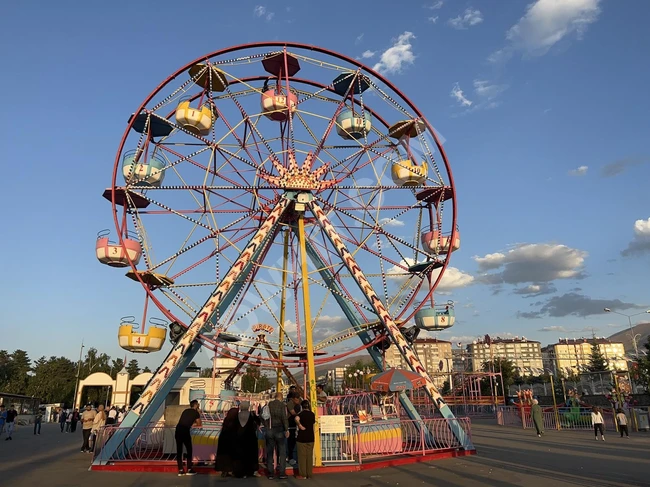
[(116, 216)]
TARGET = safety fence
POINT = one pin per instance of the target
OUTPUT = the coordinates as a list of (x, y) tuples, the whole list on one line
[(354, 443), (554, 418)]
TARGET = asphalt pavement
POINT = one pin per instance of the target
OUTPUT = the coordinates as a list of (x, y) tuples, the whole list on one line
[(506, 457)]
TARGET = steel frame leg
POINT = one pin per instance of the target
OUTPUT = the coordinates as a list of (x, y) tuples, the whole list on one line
[(356, 323), (156, 390), (392, 329)]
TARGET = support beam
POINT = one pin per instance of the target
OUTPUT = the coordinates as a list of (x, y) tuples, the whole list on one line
[(390, 325), (180, 356), (355, 321), (311, 367)]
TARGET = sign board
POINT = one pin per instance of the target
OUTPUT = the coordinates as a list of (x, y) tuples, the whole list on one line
[(262, 328), (332, 424)]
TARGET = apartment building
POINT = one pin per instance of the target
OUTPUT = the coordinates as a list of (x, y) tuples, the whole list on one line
[(572, 355), (435, 355), (525, 354)]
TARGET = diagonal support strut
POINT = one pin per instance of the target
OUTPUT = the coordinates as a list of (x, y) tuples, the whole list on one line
[(392, 329)]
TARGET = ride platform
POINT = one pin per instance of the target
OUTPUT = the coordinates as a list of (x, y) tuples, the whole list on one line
[(169, 466)]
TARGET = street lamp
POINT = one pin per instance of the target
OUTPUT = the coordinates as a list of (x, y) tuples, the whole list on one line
[(629, 320)]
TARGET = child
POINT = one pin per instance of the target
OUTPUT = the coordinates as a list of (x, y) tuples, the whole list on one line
[(622, 422), (597, 422)]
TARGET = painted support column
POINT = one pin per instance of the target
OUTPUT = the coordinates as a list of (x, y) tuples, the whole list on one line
[(356, 323), (391, 327), (311, 368), (181, 355)]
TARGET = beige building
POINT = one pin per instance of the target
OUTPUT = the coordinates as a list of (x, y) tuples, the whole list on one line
[(525, 354), (572, 355), (434, 354)]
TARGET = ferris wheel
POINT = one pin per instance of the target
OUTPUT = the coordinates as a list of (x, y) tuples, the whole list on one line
[(289, 186)]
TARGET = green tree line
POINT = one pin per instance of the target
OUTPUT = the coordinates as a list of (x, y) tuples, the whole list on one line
[(53, 379)]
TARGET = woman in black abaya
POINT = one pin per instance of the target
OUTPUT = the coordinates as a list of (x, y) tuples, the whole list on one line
[(245, 457), (226, 444)]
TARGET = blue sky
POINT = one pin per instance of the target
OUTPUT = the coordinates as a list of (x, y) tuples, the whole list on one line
[(541, 108)]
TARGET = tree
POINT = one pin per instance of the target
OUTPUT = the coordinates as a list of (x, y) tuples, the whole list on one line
[(146, 370), (53, 380), (642, 367), (254, 381), (206, 372), (597, 361), (116, 366), (133, 368), (5, 363), (95, 362), (17, 371), (508, 374)]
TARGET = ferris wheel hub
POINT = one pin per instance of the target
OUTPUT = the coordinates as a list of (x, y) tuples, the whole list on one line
[(294, 177)]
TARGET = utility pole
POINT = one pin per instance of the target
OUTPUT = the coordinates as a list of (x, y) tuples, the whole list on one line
[(76, 385)]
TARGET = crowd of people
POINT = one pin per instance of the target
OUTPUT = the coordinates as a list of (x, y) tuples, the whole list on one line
[(285, 425)]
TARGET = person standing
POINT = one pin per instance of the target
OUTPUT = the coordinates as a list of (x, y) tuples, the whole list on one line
[(190, 418), (37, 421), (293, 408), (226, 443), (3, 418), (598, 423), (276, 431), (321, 395), (538, 420), (98, 423), (246, 461), (121, 414), (621, 418), (306, 420), (11, 422), (74, 421), (62, 417), (112, 416), (87, 418)]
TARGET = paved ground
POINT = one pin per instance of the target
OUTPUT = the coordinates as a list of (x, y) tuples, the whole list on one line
[(507, 457)]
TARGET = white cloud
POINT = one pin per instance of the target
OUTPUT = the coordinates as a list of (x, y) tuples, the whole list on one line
[(486, 92), (641, 242), (579, 171), (532, 263), (398, 55), (433, 20), (463, 339), (560, 329), (545, 23), (468, 18), (390, 222), (490, 91), (535, 290), (453, 278), (359, 38), (642, 228), (577, 305), (435, 5), (261, 11), (368, 54), (460, 97)]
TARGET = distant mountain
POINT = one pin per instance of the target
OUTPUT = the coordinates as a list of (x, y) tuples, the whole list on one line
[(625, 337)]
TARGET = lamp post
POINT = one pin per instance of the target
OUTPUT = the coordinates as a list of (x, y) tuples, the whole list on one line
[(76, 385), (629, 320)]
